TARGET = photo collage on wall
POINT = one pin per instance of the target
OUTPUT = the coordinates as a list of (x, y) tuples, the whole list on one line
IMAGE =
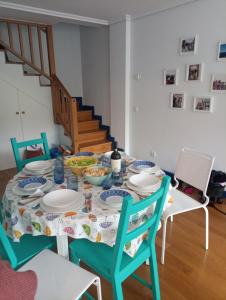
[(194, 73)]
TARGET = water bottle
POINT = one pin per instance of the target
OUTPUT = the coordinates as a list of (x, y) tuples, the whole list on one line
[(58, 170)]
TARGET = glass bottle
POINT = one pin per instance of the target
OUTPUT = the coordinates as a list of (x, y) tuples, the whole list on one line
[(116, 161)]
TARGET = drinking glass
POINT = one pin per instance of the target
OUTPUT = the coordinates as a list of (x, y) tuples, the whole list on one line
[(72, 183), (117, 178)]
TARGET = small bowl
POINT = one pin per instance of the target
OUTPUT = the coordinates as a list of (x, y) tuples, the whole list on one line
[(97, 180)]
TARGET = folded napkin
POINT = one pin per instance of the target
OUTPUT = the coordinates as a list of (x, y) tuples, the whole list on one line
[(37, 194)]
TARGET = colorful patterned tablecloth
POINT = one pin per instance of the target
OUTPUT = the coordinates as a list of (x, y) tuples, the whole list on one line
[(100, 225)]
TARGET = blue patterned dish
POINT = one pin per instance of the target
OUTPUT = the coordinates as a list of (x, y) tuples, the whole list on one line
[(84, 154), (114, 197), (143, 164), (32, 183)]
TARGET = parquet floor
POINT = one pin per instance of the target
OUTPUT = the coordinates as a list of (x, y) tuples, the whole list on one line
[(189, 272)]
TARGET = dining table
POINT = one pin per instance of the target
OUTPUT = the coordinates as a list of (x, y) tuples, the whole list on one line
[(98, 225)]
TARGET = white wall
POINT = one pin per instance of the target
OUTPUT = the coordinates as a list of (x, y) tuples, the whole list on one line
[(66, 38), (155, 47), (95, 69), (20, 94)]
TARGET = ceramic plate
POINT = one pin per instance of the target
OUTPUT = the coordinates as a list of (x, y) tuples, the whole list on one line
[(114, 197), (32, 183), (142, 192), (142, 164), (72, 207), (38, 166), (16, 190), (37, 173), (144, 181), (61, 198)]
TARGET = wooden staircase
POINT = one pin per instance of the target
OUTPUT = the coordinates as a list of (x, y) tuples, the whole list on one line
[(80, 124)]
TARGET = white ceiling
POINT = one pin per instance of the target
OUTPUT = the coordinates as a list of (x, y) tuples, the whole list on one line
[(106, 10)]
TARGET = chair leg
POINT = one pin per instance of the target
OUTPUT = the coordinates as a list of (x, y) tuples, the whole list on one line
[(117, 290), (98, 285), (163, 240), (207, 228), (154, 274)]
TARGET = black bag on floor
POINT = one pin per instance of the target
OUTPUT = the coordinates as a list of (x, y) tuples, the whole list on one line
[(215, 190)]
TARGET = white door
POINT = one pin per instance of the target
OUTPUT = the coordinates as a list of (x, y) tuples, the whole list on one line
[(10, 123), (37, 117)]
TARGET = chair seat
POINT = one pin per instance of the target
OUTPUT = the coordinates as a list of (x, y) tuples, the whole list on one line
[(181, 203), (101, 258), (28, 247), (58, 279)]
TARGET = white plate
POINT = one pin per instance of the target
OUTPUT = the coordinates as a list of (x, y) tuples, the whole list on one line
[(75, 206), (40, 165), (141, 192), (133, 170), (115, 202), (16, 190), (36, 173), (144, 181), (61, 198)]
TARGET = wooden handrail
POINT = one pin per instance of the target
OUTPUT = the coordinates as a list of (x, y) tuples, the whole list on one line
[(64, 105), (30, 46), (65, 110)]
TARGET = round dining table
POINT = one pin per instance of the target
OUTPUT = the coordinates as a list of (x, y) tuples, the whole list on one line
[(98, 225)]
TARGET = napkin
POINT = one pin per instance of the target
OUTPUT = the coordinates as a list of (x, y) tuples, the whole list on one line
[(37, 194)]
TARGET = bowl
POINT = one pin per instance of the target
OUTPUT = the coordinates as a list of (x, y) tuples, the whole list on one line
[(95, 179), (78, 164)]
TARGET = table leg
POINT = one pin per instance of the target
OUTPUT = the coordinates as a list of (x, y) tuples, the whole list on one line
[(62, 246)]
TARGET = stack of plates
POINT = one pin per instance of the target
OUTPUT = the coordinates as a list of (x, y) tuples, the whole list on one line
[(114, 197), (38, 167), (141, 165), (28, 186), (144, 184), (61, 201)]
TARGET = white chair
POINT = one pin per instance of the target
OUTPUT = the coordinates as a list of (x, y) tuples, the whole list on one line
[(194, 168), (59, 279)]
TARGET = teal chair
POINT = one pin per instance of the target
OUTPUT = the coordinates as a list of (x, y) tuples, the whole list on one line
[(112, 262), (19, 253), (20, 163)]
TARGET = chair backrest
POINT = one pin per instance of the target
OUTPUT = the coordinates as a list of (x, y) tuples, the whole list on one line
[(7, 249), (194, 168), (149, 226), (20, 162)]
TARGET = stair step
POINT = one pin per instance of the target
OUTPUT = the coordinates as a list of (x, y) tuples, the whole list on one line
[(92, 136), (88, 125), (84, 115), (98, 147)]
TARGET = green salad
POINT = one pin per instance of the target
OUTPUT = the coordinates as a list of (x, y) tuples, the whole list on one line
[(81, 162)]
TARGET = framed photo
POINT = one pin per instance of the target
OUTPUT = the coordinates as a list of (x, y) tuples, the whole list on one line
[(218, 83), (188, 45), (221, 51), (194, 72), (170, 77), (203, 104), (177, 100)]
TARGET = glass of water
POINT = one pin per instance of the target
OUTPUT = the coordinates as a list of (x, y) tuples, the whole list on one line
[(72, 183)]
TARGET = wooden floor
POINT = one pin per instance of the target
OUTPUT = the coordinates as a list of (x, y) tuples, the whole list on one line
[(189, 272)]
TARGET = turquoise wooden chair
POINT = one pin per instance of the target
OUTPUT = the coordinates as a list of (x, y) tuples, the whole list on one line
[(20, 163), (19, 253), (112, 262)]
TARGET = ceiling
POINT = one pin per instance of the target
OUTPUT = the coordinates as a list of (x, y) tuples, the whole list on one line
[(107, 11)]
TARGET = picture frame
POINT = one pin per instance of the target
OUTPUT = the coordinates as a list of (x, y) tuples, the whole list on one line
[(218, 83), (194, 72), (203, 104), (170, 77), (177, 100), (188, 45), (221, 54)]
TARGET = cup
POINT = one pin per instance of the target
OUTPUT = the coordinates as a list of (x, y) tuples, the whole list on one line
[(117, 178), (72, 183)]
